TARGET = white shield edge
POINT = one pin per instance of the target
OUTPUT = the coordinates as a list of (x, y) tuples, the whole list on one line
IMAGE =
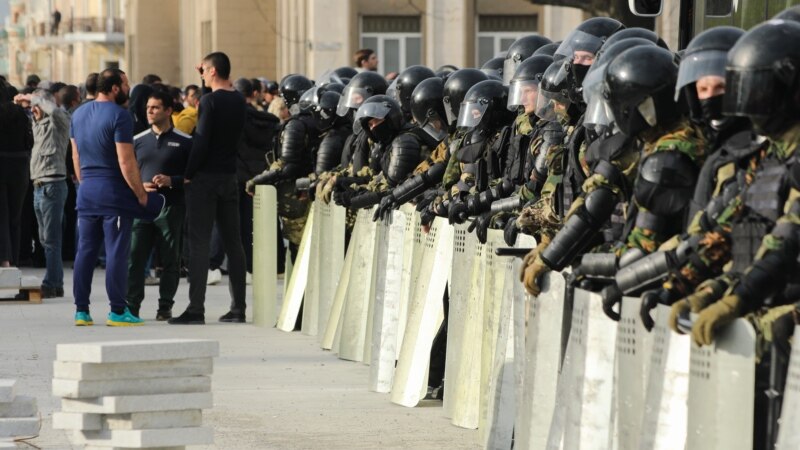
[(542, 363), (311, 297), (356, 306), (633, 346), (410, 269), (459, 283), (354, 247), (265, 256), (295, 291), (723, 414), (332, 327), (663, 423), (367, 356), (466, 393), (789, 423), (425, 316), (389, 273), (332, 253)]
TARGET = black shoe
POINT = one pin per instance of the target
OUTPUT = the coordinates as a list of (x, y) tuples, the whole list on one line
[(134, 311), (232, 317), (163, 315), (48, 292), (59, 292), (188, 318)]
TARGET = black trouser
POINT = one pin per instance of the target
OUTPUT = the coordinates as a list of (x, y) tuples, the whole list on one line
[(13, 189), (211, 197), (439, 347)]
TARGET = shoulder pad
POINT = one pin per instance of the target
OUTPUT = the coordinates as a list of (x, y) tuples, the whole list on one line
[(142, 134)]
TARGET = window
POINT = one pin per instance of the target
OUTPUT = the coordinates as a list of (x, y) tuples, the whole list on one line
[(396, 39), (497, 33), (205, 37)]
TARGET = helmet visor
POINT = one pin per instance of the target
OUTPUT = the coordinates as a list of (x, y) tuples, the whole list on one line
[(551, 105), (510, 67), (698, 65), (523, 93), (578, 41), (435, 126), (598, 112), (309, 98), (472, 113), (377, 110), (352, 97), (450, 110), (750, 93)]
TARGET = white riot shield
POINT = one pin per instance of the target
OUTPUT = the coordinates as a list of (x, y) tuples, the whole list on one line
[(352, 249), (788, 437), (359, 292), (582, 419), (287, 319), (634, 344), (722, 389), (389, 274), (331, 259), (542, 363), (502, 402), (310, 320), (466, 389), (334, 318), (664, 419), (412, 262), (425, 316), (464, 244), (265, 256), (367, 356)]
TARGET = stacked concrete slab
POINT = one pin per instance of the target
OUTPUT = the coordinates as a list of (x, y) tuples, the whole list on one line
[(18, 415), (135, 394)]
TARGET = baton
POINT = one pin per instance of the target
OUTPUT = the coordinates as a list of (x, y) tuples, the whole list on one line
[(511, 251)]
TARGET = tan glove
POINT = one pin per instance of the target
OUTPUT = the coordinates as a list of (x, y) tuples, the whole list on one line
[(715, 317), (705, 294), (533, 267)]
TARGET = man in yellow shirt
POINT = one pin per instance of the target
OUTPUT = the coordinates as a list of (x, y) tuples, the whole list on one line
[(187, 119)]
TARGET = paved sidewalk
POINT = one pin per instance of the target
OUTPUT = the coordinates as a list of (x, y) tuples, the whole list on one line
[(272, 390)]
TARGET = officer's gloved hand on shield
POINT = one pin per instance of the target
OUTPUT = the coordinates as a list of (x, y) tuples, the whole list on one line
[(481, 226)]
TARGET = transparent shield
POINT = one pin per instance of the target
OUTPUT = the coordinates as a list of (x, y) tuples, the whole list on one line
[(352, 97), (696, 66), (523, 93), (551, 105), (471, 113), (435, 127), (749, 93), (579, 41), (377, 110)]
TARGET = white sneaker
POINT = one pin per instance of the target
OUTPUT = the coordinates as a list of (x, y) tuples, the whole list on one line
[(248, 278), (214, 277)]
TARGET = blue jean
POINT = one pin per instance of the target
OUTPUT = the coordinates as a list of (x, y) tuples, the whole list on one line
[(114, 234), (48, 204)]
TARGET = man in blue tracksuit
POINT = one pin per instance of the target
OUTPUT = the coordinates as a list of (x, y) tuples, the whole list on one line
[(111, 195)]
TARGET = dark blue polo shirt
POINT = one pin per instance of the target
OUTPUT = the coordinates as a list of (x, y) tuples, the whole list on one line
[(165, 154)]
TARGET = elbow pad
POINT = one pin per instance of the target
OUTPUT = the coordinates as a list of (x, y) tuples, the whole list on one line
[(366, 200)]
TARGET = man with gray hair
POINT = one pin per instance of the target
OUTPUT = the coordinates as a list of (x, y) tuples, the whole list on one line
[(49, 174)]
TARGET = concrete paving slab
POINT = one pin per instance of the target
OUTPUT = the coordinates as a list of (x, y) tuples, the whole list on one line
[(77, 421), (141, 386), (139, 369), (19, 427), (148, 438), (102, 447), (22, 406), (272, 390), (153, 420), (9, 277), (8, 389), (131, 351), (138, 403)]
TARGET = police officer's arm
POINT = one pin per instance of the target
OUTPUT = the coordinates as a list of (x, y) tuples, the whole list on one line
[(201, 138), (130, 170), (76, 159)]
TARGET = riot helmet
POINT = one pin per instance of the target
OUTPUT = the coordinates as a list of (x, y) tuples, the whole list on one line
[(639, 85), (703, 66), (391, 91), (792, 14), (485, 107), (331, 87), (380, 117), (547, 50), (292, 88), (309, 98), (455, 88), (361, 87), (553, 102), (427, 107), (762, 77), (324, 110), (407, 81), (520, 50), (524, 87), (634, 32), (494, 67)]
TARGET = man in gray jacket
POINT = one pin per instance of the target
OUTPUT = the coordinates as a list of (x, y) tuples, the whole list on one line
[(48, 173)]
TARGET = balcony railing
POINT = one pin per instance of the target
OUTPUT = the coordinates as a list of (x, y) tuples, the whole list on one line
[(98, 29)]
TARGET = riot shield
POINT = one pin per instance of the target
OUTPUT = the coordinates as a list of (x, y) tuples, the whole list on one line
[(310, 320), (722, 389), (425, 316), (287, 319), (329, 341), (331, 259), (389, 274), (788, 437), (265, 257)]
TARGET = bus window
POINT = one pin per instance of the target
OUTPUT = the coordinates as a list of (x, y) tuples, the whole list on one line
[(646, 8), (719, 8)]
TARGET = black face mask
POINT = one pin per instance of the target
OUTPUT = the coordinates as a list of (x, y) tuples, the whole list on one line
[(382, 133), (579, 73), (712, 108)]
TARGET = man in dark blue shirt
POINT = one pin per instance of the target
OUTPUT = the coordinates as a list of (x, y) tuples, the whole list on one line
[(212, 192), (111, 194), (162, 153)]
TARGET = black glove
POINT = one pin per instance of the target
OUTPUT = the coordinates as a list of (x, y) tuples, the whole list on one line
[(384, 209), (510, 231), (457, 212), (426, 199), (426, 217), (481, 225), (343, 198), (651, 299), (611, 296)]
